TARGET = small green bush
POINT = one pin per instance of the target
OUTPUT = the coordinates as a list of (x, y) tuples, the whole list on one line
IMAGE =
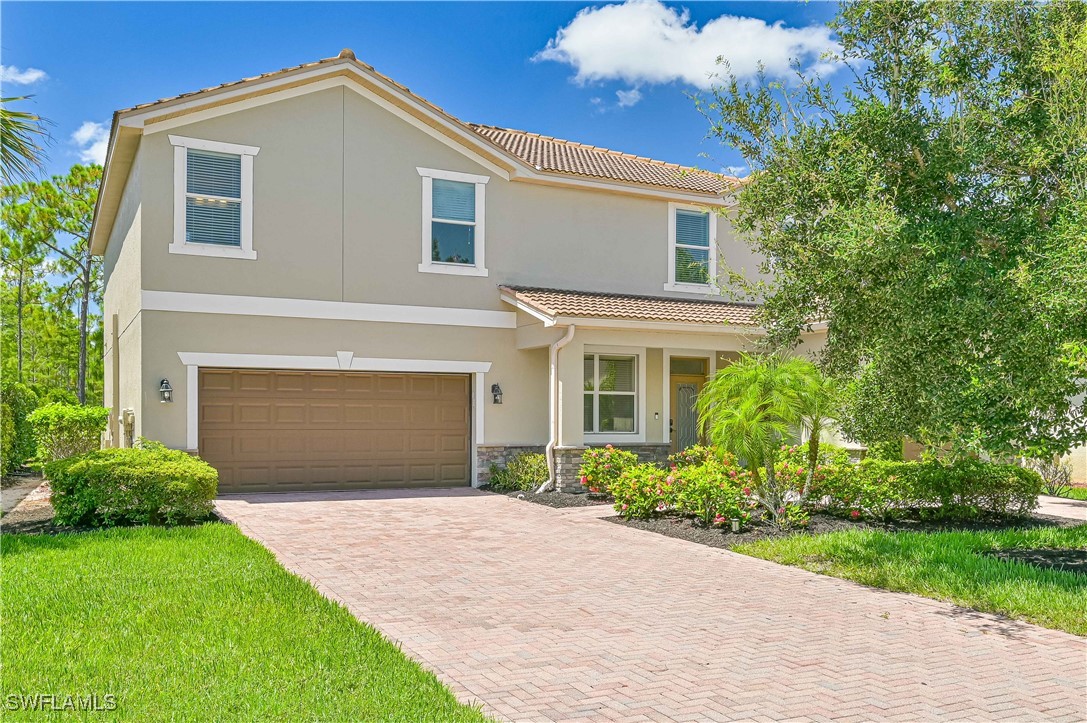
[(150, 485), (960, 490), (65, 430), (642, 490), (602, 467), (525, 472), (711, 492), (7, 438), (18, 439)]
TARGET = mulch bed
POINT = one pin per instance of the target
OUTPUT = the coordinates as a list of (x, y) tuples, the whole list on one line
[(1065, 560), (685, 528), (554, 499)]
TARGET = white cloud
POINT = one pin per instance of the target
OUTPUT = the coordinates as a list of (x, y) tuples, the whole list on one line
[(628, 98), (17, 76), (644, 41), (92, 139), (737, 171)]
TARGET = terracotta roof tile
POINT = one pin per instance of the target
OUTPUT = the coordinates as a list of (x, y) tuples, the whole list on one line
[(561, 156), (557, 302)]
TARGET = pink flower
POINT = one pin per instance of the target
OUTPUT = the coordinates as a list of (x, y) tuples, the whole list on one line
[(781, 510), (800, 470), (624, 507), (747, 491), (661, 507), (608, 446), (584, 479), (855, 514), (669, 480)]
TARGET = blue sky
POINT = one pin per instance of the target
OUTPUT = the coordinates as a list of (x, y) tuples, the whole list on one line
[(609, 75)]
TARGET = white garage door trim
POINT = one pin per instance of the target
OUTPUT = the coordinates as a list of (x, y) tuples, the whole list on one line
[(342, 361)]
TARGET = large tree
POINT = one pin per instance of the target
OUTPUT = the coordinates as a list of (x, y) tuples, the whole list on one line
[(56, 216), (933, 213)]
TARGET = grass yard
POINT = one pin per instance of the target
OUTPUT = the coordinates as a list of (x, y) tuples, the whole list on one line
[(949, 566), (196, 623), (1076, 493)]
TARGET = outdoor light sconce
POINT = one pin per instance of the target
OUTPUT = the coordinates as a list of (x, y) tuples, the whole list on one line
[(166, 392), (496, 392)]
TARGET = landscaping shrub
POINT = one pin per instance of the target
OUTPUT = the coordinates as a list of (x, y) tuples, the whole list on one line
[(642, 491), (7, 438), (1056, 474), (959, 490), (601, 467), (65, 430), (712, 492), (886, 451), (526, 471), (700, 454), (18, 439), (143, 485)]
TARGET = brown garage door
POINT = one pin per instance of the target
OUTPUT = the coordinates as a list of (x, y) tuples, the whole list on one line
[(284, 430)]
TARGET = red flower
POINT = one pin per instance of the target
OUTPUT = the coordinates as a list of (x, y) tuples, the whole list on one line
[(747, 491), (855, 514)]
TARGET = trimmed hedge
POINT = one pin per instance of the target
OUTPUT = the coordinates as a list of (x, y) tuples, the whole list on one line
[(66, 430), (149, 485), (960, 490), (602, 466), (17, 439), (525, 472)]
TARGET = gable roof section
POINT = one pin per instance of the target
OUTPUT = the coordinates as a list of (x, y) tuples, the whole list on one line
[(556, 155), (526, 156), (556, 304)]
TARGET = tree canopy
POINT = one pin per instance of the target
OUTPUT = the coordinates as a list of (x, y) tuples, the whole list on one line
[(934, 215)]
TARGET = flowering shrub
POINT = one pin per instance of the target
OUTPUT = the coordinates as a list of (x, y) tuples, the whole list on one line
[(709, 491), (699, 455), (601, 467), (642, 491)]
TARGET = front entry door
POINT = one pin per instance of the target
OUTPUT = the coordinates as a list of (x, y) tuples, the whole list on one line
[(683, 415)]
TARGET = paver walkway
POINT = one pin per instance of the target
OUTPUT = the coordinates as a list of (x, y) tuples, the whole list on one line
[(545, 614)]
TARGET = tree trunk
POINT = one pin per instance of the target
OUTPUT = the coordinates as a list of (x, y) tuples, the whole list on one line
[(81, 381), (19, 324)]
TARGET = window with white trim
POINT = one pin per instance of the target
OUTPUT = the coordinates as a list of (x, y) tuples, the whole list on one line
[(692, 248), (611, 394), (213, 198), (453, 222)]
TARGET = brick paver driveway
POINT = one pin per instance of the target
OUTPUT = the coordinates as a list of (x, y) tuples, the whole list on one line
[(544, 614)]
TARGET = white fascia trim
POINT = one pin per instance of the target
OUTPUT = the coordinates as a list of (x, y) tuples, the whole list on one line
[(330, 363), (633, 324), (192, 405), (452, 175), (201, 144), (427, 264), (180, 245), (522, 306), (672, 284), (640, 396), (183, 301)]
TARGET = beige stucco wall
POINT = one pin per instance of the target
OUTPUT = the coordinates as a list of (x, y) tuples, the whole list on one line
[(1077, 458), (337, 216), (122, 277)]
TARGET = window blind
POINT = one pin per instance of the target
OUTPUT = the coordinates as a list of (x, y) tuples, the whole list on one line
[(213, 206), (454, 200), (214, 174), (692, 228)]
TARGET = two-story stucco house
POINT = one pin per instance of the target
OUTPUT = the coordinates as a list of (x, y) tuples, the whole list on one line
[(316, 279)]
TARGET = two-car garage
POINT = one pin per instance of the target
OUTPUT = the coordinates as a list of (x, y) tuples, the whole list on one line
[(280, 431)]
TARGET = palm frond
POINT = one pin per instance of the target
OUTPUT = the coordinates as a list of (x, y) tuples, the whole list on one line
[(21, 137)]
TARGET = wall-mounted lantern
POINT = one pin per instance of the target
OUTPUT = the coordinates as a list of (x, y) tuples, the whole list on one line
[(496, 392), (166, 392)]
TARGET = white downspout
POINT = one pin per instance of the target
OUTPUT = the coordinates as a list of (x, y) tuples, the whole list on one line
[(553, 406)]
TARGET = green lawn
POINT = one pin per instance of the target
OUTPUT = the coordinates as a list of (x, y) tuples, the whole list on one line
[(948, 566), (1076, 493), (196, 623)]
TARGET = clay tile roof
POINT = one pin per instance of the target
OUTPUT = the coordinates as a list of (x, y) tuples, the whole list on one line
[(556, 302), (561, 156)]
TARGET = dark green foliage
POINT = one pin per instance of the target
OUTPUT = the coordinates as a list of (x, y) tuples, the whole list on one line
[(961, 490), (18, 444), (525, 472), (150, 485)]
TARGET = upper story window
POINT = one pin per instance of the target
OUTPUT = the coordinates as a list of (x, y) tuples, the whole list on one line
[(213, 198), (453, 222), (692, 249)]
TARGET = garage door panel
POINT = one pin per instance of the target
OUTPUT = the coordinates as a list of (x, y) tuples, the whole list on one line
[(286, 430)]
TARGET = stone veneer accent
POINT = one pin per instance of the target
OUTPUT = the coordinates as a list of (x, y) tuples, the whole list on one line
[(500, 455), (567, 460)]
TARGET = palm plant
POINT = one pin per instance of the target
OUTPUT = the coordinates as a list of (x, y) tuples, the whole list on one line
[(756, 405), (20, 133)]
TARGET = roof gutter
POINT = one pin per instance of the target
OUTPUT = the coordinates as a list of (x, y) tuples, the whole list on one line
[(553, 407)]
